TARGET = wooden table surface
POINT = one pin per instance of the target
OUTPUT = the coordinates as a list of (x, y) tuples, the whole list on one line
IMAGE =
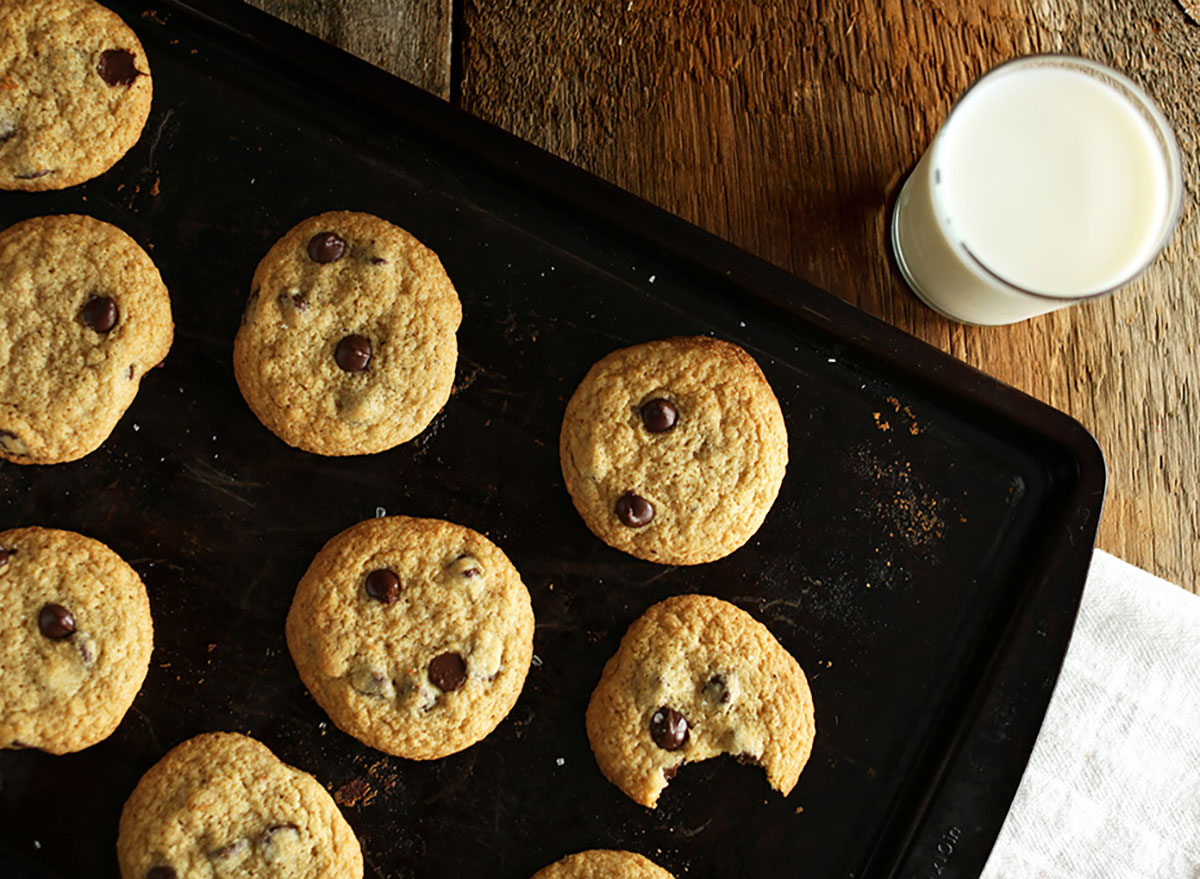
[(786, 127)]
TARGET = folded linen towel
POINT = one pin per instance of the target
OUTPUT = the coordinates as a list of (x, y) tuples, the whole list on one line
[(1112, 790)]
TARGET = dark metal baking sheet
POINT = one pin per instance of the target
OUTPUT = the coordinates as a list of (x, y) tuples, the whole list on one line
[(924, 560)]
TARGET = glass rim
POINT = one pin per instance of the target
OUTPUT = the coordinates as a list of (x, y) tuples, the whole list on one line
[(1129, 91)]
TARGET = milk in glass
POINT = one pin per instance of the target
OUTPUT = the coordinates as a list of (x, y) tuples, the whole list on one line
[(1047, 184)]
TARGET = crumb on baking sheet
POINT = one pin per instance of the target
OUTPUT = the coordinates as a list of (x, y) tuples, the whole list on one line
[(383, 773), (905, 414), (355, 792), (901, 502)]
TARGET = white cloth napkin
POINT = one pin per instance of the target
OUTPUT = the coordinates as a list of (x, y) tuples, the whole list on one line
[(1112, 790)]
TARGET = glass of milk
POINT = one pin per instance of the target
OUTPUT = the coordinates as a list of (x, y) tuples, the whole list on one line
[(1053, 180)]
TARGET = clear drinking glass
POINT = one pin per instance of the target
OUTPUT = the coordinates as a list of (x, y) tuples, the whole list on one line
[(1053, 180)]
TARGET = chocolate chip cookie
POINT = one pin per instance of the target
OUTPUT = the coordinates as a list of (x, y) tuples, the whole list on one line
[(75, 639), (86, 316), (674, 450), (348, 346), (696, 677), (414, 635), (603, 864), (75, 92), (221, 804)]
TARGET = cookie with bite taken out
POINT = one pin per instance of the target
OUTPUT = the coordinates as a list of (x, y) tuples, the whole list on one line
[(696, 677)]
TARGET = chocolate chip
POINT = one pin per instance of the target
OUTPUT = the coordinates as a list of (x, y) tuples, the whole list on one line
[(99, 313), (448, 672), (325, 247), (274, 836), (131, 366), (161, 872), (717, 689), (235, 850), (7, 131), (467, 566), (353, 353), (671, 771), (86, 645), (634, 511), (275, 828), (383, 586), (300, 301), (429, 698), (13, 444), (669, 729), (4, 554), (34, 175), (370, 682), (116, 67), (659, 415), (56, 622)]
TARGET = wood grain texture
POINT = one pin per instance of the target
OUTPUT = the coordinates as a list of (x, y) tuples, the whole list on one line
[(410, 38), (787, 128)]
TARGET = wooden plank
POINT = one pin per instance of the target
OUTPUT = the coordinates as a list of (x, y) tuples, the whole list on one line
[(410, 38), (788, 127)]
